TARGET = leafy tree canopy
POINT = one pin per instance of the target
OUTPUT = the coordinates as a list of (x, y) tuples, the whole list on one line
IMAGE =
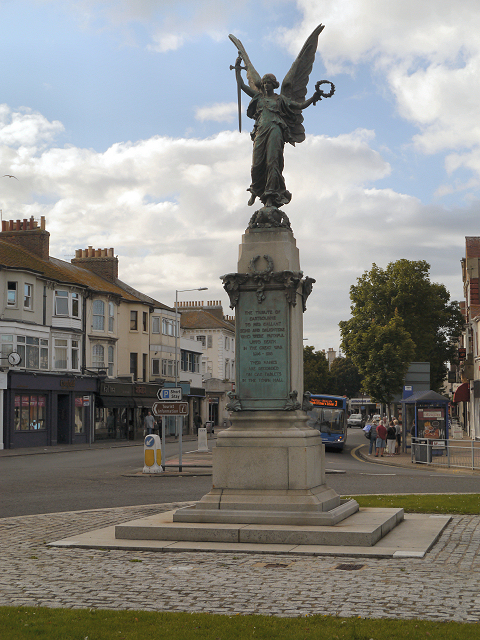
[(346, 378), (421, 312), (316, 376)]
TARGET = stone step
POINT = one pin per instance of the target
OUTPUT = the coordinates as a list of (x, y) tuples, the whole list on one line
[(363, 529)]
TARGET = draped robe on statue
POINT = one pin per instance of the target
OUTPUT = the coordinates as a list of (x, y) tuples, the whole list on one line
[(274, 117)]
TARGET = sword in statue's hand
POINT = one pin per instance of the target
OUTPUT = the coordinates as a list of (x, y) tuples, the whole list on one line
[(239, 91)]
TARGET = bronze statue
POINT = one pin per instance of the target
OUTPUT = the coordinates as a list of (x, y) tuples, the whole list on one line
[(278, 119)]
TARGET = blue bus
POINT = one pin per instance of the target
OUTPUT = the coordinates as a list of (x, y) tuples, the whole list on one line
[(329, 416)]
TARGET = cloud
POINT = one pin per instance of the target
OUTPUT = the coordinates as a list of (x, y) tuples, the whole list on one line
[(174, 209), (427, 54), (219, 112), (26, 128), (169, 23)]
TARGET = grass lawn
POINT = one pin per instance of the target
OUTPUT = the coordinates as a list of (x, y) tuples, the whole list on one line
[(67, 624), (425, 503)]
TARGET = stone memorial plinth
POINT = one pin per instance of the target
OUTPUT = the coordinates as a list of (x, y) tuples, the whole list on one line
[(268, 467)]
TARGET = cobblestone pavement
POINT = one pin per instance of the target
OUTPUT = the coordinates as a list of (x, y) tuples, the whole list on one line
[(442, 586)]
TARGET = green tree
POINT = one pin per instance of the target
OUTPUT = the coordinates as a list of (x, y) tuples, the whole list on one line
[(403, 290), (316, 376), (346, 378), (385, 352)]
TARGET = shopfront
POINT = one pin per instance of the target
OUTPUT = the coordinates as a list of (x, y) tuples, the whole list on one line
[(120, 409), (48, 409)]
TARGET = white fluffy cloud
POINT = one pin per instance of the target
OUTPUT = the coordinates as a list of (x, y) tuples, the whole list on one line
[(219, 112), (26, 128), (428, 55), (174, 211)]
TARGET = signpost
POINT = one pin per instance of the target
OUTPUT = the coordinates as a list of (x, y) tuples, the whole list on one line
[(174, 394), (161, 408), (166, 407)]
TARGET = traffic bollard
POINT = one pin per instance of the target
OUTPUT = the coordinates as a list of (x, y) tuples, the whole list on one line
[(152, 454), (202, 439)]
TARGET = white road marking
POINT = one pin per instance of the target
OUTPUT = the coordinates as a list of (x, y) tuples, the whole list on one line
[(378, 474)]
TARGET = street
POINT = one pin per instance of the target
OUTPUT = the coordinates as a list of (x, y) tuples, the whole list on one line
[(102, 478)]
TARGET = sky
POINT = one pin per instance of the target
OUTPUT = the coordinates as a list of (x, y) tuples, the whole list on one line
[(119, 120)]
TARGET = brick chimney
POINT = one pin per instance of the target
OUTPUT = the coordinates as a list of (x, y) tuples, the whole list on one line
[(101, 261), (212, 306), (27, 234)]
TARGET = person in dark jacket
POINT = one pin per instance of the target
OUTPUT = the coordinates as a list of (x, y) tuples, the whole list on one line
[(391, 439)]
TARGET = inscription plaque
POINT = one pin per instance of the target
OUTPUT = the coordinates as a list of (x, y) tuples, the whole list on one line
[(263, 351)]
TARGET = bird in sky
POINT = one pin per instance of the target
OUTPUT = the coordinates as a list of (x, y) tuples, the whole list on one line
[(7, 175)]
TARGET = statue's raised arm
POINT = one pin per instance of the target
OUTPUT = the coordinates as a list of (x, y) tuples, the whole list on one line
[(278, 119)]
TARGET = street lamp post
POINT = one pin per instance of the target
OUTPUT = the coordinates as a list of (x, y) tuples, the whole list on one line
[(180, 431)]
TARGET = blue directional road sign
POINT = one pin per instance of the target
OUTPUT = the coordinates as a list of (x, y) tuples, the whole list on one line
[(149, 441), (172, 395)]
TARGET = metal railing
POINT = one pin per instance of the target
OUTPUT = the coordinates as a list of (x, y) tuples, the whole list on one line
[(462, 454)]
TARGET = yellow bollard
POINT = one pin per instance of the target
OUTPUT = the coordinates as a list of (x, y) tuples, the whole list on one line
[(152, 454)]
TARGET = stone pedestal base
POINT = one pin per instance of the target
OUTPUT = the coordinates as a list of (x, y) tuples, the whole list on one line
[(268, 468)]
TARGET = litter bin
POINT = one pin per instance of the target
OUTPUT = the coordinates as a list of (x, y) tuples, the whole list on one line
[(439, 447), (422, 452), (209, 426)]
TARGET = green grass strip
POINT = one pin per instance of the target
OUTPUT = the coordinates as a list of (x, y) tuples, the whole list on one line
[(79, 624), (425, 503)]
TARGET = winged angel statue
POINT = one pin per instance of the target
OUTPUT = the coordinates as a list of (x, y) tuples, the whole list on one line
[(278, 119)]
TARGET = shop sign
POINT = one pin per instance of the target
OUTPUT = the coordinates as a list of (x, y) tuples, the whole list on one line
[(68, 384), (86, 401)]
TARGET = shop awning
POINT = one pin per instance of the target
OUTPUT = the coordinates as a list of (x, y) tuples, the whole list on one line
[(145, 403), (462, 394), (112, 402)]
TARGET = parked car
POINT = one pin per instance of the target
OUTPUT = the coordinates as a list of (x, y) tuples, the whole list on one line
[(356, 420), (376, 417)]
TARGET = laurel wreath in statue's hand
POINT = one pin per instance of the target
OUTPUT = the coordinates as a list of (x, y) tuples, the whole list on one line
[(319, 94)]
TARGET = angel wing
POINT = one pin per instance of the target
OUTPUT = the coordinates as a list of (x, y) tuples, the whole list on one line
[(253, 77), (294, 85)]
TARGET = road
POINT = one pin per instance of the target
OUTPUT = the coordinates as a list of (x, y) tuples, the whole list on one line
[(101, 478)]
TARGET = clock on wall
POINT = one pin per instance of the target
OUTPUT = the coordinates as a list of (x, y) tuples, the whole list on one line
[(14, 358)]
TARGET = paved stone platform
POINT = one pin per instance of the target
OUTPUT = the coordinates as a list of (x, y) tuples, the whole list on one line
[(411, 537), (441, 586)]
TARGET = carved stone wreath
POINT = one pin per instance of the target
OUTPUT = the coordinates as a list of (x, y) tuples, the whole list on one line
[(253, 268), (269, 218)]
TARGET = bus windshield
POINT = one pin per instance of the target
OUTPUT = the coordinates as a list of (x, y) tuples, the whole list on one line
[(326, 420)]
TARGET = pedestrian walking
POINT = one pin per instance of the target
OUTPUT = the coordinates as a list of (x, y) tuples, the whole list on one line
[(398, 432), (372, 435), (197, 421), (149, 423)]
